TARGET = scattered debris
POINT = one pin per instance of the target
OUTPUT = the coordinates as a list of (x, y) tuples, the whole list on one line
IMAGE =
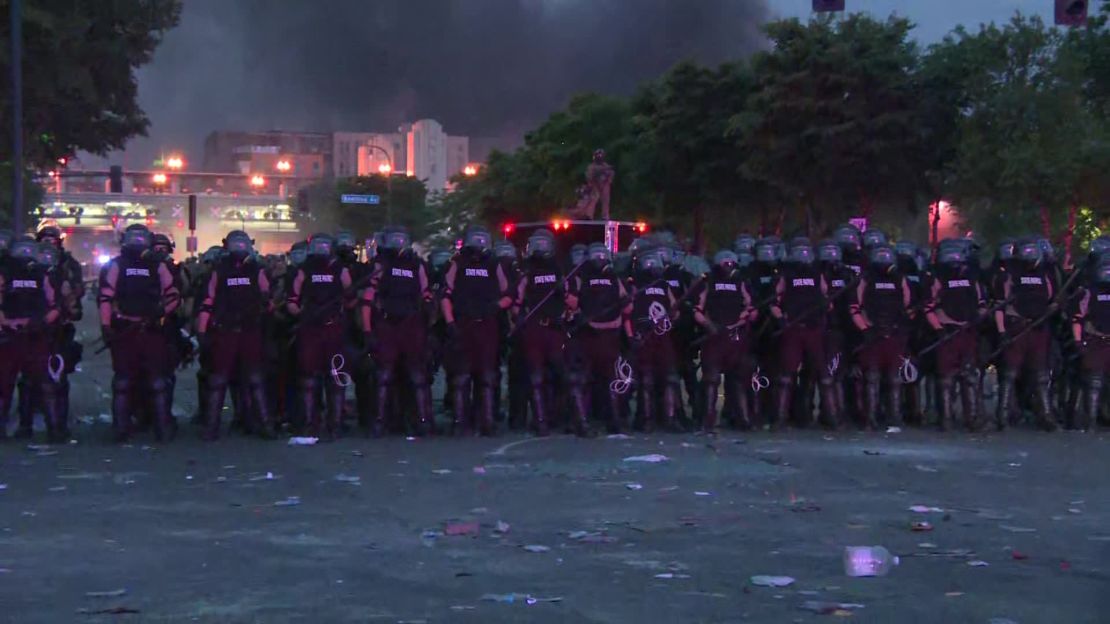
[(1001, 621), (536, 548), (442, 471), (822, 607), (894, 430), (653, 458), (924, 468), (108, 611), (633, 486), (527, 599), (870, 452), (761, 580), (1016, 529), (303, 441), (702, 494), (804, 506), (428, 538), (501, 527), (925, 509), (290, 501), (480, 470), (868, 561), (461, 528), (978, 563), (1018, 555), (115, 593), (618, 436), (351, 479), (921, 527), (671, 575), (269, 476), (58, 488)]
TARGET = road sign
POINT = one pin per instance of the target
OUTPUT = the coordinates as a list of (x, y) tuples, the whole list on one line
[(373, 200)]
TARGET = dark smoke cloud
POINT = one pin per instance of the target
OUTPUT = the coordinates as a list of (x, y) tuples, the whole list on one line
[(481, 67)]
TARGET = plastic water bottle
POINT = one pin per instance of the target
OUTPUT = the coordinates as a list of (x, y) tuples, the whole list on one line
[(868, 561)]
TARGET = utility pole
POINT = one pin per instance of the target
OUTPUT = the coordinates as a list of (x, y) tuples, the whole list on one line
[(17, 115)]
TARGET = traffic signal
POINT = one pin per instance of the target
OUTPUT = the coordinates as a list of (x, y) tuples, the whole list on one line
[(302, 201), (115, 179), (827, 6), (1071, 12), (192, 213)]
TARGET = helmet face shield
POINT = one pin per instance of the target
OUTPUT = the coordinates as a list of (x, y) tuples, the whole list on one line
[(396, 239), (726, 258), (848, 238), (239, 244), (478, 238), (882, 256), (541, 246), (745, 243), (1100, 245), (138, 239), (829, 252), (505, 249), (578, 254), (1030, 251), (765, 252), (321, 245), (874, 238), (1102, 273), (801, 254), (599, 254), (47, 254), (24, 248)]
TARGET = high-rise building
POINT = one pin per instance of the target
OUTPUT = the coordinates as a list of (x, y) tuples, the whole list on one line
[(308, 153), (433, 156), (362, 153)]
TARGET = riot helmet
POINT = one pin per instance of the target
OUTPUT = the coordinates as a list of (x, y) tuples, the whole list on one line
[(578, 254), (23, 248), (163, 243), (395, 238), (801, 252), (541, 244), (136, 239), (829, 252), (504, 250), (765, 251), (238, 244), (905, 249), (744, 243), (1029, 251), (477, 238), (744, 259), (1102, 272), (882, 257), (47, 254), (1007, 249), (599, 255), (297, 253), (1100, 246), (951, 256), (321, 245), (848, 237), (650, 263), (49, 234), (873, 237), (439, 258)]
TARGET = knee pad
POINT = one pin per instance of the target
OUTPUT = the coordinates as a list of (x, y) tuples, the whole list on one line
[(418, 378), (872, 376), (385, 377), (121, 383), (460, 381), (158, 384), (536, 378)]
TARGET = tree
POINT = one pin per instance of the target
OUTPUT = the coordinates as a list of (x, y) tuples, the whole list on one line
[(1029, 138), (403, 202), (79, 86), (832, 123)]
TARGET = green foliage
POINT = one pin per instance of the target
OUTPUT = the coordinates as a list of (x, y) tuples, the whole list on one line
[(403, 202)]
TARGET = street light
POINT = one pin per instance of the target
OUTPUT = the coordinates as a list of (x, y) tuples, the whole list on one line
[(470, 170), (385, 168), (175, 162), (159, 179), (258, 181), (284, 166)]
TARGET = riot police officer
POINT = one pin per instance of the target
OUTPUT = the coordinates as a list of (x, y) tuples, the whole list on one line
[(541, 305), (318, 298), (802, 305), (397, 330), (841, 283), (230, 326), (598, 297), (881, 312), (724, 309), (362, 368), (136, 294), (27, 307), (512, 352), (1091, 330), (954, 304), (648, 328), (475, 291), (1028, 287)]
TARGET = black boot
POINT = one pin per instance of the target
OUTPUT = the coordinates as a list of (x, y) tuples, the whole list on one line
[(969, 394), (540, 411), (945, 419), (1042, 403), (670, 409), (214, 390), (162, 419), (263, 420), (1091, 398), (736, 386), (894, 400), (711, 385), (872, 386), (615, 423), (381, 408), (830, 408), (57, 430), (422, 398), (310, 406), (1005, 399), (645, 405), (784, 394), (460, 407), (337, 398), (26, 408), (121, 409), (580, 404)]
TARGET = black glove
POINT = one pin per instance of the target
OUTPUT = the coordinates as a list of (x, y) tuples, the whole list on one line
[(451, 332)]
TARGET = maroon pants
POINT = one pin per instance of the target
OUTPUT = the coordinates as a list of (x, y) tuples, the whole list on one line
[(597, 352), (22, 354), (140, 353), (1030, 351), (401, 342), (476, 351), (883, 355), (803, 344), (236, 351), (962, 350), (542, 346), (316, 346), (655, 357), (725, 353)]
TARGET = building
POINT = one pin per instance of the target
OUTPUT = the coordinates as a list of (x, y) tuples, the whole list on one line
[(433, 156), (363, 153), (308, 154)]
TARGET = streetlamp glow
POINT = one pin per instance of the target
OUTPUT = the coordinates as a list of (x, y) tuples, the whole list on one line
[(470, 170), (284, 166), (258, 181), (385, 168), (159, 179), (175, 162)]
